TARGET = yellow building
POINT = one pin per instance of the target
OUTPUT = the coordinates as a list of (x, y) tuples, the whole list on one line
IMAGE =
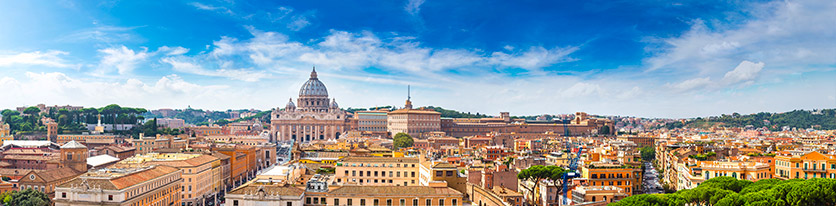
[(795, 165), (752, 171), (202, 174)]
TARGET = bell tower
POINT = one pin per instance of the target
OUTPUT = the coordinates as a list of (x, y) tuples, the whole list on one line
[(74, 155)]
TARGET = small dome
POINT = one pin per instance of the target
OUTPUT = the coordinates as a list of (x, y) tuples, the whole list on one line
[(290, 104), (334, 103), (313, 87)]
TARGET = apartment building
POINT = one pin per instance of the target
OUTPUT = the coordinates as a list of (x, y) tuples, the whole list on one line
[(608, 174), (201, 173), (379, 171), (798, 165), (139, 186)]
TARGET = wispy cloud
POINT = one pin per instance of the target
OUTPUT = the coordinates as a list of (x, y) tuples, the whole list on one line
[(51, 58), (247, 75), (789, 36), (413, 7), (207, 7)]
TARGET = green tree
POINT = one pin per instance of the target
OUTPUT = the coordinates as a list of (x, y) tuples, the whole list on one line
[(29, 197), (537, 173), (605, 130), (31, 110), (402, 140), (647, 153)]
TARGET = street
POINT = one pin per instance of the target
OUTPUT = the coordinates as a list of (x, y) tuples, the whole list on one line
[(650, 184)]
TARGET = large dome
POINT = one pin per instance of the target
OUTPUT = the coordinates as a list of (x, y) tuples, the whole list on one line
[(313, 87)]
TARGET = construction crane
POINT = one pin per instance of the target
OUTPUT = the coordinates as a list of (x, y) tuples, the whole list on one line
[(573, 170)]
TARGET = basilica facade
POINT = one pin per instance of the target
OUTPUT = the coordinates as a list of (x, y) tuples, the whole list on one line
[(314, 116)]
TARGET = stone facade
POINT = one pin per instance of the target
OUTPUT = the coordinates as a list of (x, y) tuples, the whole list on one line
[(317, 117)]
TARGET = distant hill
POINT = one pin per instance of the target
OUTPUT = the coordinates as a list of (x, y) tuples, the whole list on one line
[(818, 119)]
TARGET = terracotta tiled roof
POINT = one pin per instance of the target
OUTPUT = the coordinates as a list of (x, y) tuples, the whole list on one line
[(29, 157), (121, 182), (57, 174), (395, 190)]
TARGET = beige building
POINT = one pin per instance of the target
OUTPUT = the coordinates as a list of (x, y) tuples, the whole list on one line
[(202, 174), (414, 122), (313, 117), (437, 195), (265, 193), (394, 171), (371, 121), (154, 185)]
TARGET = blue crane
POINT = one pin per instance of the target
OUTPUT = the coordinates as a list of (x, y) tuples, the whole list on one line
[(573, 171)]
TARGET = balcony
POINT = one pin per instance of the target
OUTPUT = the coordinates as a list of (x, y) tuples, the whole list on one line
[(821, 170)]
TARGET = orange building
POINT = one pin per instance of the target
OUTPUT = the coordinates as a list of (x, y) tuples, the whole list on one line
[(794, 165), (241, 162), (604, 174)]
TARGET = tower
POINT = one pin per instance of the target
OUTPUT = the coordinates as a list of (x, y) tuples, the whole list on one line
[(74, 155), (408, 104)]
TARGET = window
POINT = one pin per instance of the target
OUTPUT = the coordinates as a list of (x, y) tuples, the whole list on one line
[(429, 201), (449, 173), (336, 201), (288, 203), (441, 202), (376, 202), (362, 202), (235, 203), (350, 203), (322, 200), (109, 197), (439, 173), (308, 200), (389, 202), (455, 203), (63, 195), (315, 201), (403, 202), (415, 202)]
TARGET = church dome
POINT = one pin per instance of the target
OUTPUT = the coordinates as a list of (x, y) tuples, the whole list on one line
[(290, 105), (313, 87), (334, 103)]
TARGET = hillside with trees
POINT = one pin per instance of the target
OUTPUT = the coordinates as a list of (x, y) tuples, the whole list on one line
[(70, 122), (824, 119)]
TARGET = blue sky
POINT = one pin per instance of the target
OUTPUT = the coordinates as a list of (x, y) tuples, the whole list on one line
[(638, 58)]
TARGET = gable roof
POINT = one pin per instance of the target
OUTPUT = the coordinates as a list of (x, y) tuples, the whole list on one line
[(73, 145)]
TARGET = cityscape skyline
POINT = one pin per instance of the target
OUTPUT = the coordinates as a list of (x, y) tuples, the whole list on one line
[(650, 59)]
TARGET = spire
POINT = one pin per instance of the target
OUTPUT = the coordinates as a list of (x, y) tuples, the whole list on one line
[(408, 104), (313, 73)]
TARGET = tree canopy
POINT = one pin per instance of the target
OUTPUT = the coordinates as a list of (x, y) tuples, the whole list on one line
[(537, 173), (27, 197), (647, 153), (728, 191), (402, 140)]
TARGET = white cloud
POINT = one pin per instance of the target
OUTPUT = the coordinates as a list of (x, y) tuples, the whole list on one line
[(298, 23), (413, 7), (236, 74), (172, 51), (124, 60), (206, 7), (51, 58), (790, 36), (534, 58), (745, 71), (582, 89), (692, 84)]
